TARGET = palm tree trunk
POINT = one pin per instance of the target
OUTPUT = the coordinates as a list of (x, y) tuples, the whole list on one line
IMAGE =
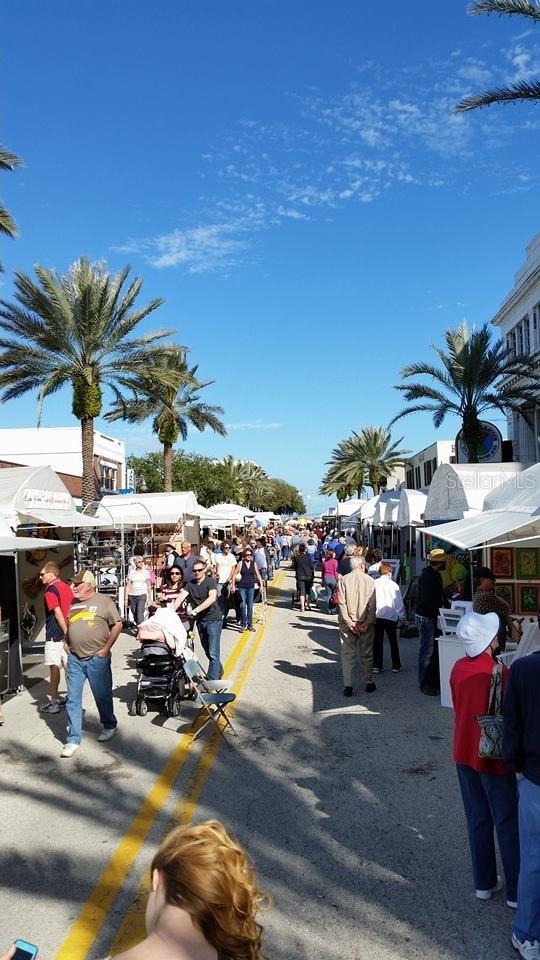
[(471, 435), (88, 477), (167, 467)]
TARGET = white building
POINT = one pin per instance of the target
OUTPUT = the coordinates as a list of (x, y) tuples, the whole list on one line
[(519, 322), (423, 465), (61, 449)]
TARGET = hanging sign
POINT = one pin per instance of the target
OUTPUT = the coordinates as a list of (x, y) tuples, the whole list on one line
[(489, 449)]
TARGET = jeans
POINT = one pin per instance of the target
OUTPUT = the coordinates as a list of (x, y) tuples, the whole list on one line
[(527, 919), (97, 670), (490, 802), (285, 552), (329, 586), (428, 655), (210, 635), (223, 600), (246, 597), (382, 626), (137, 605), (277, 558)]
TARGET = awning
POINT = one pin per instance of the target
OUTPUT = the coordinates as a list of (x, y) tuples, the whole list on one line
[(483, 528), (56, 518), (13, 543), (412, 504)]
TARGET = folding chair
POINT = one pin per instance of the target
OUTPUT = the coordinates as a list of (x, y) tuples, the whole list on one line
[(212, 696)]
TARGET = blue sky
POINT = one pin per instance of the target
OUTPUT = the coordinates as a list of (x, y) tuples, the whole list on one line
[(290, 178)]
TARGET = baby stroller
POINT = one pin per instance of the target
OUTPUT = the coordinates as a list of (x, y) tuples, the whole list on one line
[(160, 673)]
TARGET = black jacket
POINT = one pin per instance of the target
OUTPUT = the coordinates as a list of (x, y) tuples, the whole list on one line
[(521, 713), (430, 593), (303, 567)]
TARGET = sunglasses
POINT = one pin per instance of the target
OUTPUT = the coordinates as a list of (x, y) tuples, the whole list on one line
[(198, 569), (175, 574), (248, 554)]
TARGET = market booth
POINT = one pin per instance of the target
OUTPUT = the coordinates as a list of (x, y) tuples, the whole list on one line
[(507, 534), (410, 520), (135, 522), (37, 518), (225, 518)]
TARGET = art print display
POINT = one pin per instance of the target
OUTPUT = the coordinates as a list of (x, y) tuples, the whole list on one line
[(528, 598), (502, 563), (527, 563), (506, 592)]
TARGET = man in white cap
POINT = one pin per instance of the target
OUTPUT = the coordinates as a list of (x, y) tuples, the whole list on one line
[(488, 788), (94, 624), (429, 599)]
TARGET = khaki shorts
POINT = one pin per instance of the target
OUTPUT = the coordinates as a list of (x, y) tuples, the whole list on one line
[(55, 655)]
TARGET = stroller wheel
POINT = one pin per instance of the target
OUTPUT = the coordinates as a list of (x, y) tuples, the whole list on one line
[(132, 708), (174, 706), (181, 688), (142, 708)]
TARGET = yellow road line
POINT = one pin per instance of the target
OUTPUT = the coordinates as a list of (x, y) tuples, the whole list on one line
[(86, 927), (132, 929)]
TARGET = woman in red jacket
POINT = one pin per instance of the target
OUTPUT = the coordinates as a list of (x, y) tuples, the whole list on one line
[(488, 789)]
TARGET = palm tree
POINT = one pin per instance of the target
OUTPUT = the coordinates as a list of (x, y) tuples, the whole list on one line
[(522, 89), (476, 375), (76, 329), (369, 456), (174, 404), (234, 476), (256, 485), (8, 161)]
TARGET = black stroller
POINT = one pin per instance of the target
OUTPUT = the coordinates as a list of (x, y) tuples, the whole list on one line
[(160, 678)]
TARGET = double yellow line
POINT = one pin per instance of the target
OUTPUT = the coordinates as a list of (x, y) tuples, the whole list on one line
[(86, 927)]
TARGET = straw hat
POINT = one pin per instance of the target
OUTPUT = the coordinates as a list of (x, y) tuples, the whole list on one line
[(477, 630), (437, 554)]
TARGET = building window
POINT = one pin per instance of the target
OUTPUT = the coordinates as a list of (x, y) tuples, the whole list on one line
[(108, 477), (527, 336), (520, 338), (417, 479), (410, 479), (427, 473), (535, 343)]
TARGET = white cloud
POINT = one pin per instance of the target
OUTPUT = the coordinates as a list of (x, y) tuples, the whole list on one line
[(254, 425)]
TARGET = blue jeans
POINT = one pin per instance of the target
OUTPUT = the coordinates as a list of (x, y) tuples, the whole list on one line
[(246, 598), (277, 558), (285, 552), (428, 656), (490, 802), (97, 670), (210, 635), (329, 586), (527, 919)]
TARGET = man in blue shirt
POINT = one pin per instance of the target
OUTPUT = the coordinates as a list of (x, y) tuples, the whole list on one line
[(521, 752)]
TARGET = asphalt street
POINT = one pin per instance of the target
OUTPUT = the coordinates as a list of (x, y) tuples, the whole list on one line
[(349, 808)]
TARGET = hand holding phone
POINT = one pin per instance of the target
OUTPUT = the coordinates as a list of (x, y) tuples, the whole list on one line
[(23, 950)]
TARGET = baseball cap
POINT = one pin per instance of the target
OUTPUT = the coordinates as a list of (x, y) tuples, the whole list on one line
[(84, 576)]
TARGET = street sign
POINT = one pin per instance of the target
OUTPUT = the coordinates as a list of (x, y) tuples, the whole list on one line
[(127, 490)]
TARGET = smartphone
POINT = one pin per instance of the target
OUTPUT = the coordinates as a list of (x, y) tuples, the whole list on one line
[(24, 950)]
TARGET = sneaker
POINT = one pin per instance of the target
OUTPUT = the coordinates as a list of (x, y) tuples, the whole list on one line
[(430, 691), (347, 691), (396, 669), (377, 670), (106, 734), (69, 749), (52, 706), (487, 894), (512, 904), (251, 629), (371, 687), (526, 949)]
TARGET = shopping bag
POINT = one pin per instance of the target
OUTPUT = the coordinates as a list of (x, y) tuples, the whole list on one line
[(491, 723)]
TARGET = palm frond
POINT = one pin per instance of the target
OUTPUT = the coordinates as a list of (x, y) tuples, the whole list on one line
[(521, 90), (524, 8)]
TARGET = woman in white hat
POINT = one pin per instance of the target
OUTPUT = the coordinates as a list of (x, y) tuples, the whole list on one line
[(488, 789)]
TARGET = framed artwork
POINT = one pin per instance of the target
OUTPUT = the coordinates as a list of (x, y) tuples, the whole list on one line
[(506, 592), (528, 598), (527, 566), (502, 562)]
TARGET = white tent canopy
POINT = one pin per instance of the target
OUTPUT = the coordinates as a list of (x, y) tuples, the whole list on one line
[(225, 514), (144, 509), (512, 507), (386, 509), (348, 508), (457, 489), (367, 510), (412, 504), (9, 543), (37, 495)]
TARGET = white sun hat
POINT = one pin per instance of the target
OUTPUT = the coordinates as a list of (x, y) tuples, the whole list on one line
[(477, 630)]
